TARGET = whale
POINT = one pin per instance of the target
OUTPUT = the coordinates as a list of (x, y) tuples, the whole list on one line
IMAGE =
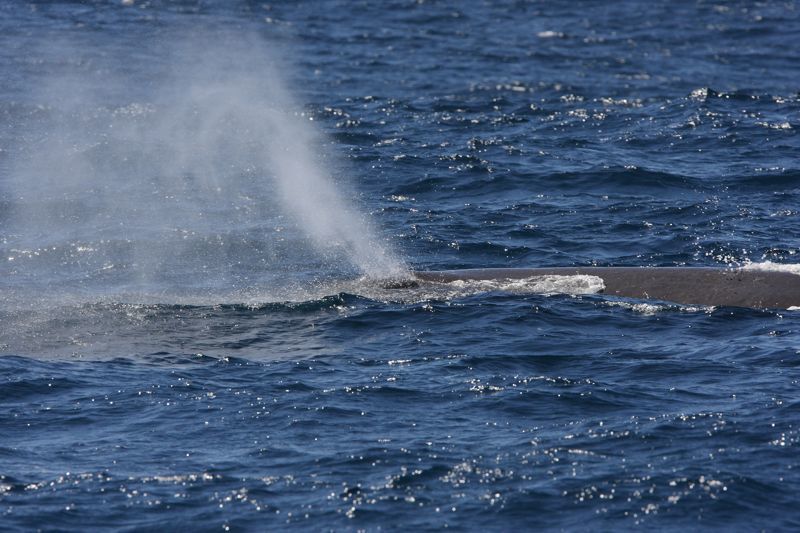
[(705, 286)]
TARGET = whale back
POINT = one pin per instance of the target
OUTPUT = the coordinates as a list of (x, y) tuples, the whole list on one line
[(683, 285)]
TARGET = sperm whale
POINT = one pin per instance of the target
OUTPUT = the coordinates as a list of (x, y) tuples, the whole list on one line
[(760, 289)]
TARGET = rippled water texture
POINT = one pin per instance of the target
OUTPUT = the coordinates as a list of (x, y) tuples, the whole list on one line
[(197, 201)]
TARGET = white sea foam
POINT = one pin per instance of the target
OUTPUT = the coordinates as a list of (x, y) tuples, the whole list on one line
[(769, 266), (577, 284), (650, 309), (549, 34), (421, 291)]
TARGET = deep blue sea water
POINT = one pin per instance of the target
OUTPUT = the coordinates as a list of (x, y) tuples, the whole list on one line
[(178, 353)]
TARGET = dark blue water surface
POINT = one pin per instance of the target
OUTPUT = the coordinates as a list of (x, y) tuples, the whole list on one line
[(176, 353)]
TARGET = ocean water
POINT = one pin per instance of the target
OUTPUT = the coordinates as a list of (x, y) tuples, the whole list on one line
[(198, 201)]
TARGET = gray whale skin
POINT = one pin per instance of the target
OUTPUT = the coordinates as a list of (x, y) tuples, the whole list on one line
[(683, 285)]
